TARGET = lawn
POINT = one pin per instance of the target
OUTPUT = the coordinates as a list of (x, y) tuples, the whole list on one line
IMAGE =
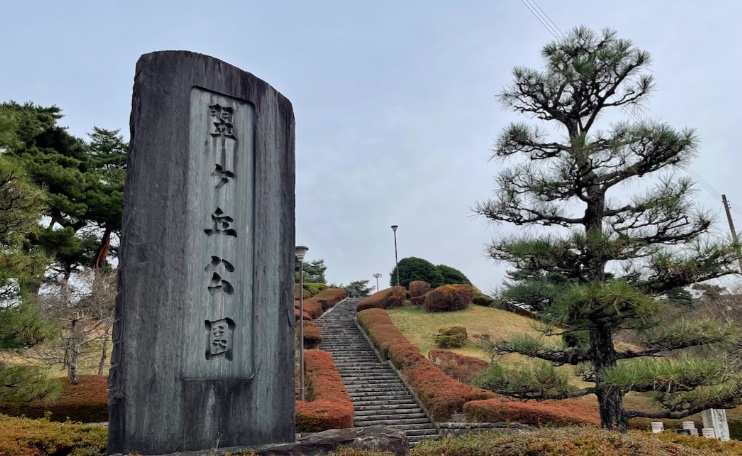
[(420, 327)]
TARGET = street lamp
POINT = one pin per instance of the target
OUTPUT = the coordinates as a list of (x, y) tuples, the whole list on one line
[(377, 275), (396, 261), (300, 252)]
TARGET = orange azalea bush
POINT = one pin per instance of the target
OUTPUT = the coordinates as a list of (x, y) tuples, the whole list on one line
[(330, 407), (448, 298), (312, 336), (384, 299), (539, 413), (418, 289)]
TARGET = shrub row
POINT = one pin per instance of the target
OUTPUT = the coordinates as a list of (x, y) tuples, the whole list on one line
[(314, 288), (384, 299), (558, 413), (459, 367), (315, 306), (441, 395), (86, 402), (576, 441), (331, 406), (27, 437), (449, 298)]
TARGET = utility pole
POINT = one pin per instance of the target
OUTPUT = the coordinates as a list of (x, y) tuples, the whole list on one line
[(731, 228)]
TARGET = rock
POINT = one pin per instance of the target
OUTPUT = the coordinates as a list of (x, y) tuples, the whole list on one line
[(380, 438)]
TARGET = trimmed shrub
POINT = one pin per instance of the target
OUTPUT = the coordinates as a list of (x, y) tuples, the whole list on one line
[(330, 406), (451, 337), (306, 292), (459, 367), (441, 395), (483, 300), (449, 298), (538, 413), (413, 268), (27, 437), (384, 299), (315, 288), (312, 336), (311, 308), (305, 316), (329, 297), (418, 289), (86, 402)]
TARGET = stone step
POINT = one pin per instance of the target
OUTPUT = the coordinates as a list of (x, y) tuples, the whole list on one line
[(390, 421), (403, 409), (392, 416), (359, 403), (365, 398), (388, 388), (370, 381)]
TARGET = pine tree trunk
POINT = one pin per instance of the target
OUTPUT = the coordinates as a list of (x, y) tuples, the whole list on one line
[(610, 400)]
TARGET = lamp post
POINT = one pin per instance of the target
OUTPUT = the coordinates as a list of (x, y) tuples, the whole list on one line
[(377, 275), (396, 261), (300, 252)]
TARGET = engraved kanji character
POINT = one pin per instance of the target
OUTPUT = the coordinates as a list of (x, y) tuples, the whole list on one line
[(222, 224), (220, 338), (217, 283), (223, 126), (223, 174)]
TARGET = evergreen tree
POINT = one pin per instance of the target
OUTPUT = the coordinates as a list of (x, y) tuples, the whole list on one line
[(357, 288), (314, 271), (21, 325), (83, 182), (652, 242), (452, 275), (413, 268)]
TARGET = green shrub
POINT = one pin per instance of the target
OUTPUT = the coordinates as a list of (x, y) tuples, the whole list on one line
[(482, 300), (27, 437), (453, 337), (315, 288)]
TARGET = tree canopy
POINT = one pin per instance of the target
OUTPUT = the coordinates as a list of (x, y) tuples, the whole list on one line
[(607, 256), (452, 276), (413, 268)]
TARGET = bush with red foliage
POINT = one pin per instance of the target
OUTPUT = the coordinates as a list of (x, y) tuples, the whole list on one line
[(384, 299), (559, 413), (331, 406), (442, 395), (306, 316), (418, 289), (305, 293), (460, 367), (329, 297), (449, 298), (311, 307), (86, 402), (312, 336)]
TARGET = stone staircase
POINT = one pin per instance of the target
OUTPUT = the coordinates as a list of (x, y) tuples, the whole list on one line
[(379, 396)]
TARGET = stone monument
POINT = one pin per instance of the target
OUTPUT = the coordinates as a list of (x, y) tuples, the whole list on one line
[(203, 350)]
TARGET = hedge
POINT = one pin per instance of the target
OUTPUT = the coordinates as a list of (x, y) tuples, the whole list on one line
[(27, 437), (86, 402), (459, 367), (314, 287), (538, 413), (330, 406), (311, 307), (329, 297), (384, 299), (306, 316), (449, 298), (312, 336), (441, 395)]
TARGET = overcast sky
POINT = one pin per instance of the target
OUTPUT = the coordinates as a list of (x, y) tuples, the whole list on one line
[(394, 100)]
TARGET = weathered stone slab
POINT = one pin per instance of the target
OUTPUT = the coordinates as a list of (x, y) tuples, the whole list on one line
[(203, 341), (716, 419)]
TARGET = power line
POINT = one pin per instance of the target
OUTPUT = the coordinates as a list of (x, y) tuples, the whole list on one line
[(631, 110)]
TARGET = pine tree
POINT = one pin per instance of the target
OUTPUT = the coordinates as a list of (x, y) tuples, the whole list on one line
[(615, 253)]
